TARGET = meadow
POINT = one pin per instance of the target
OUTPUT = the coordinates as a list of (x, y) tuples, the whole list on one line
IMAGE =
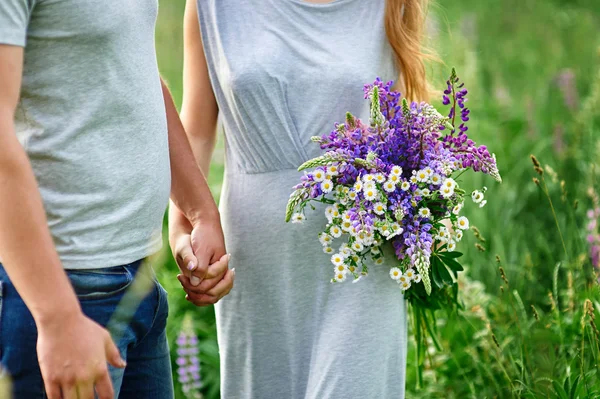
[(530, 292)]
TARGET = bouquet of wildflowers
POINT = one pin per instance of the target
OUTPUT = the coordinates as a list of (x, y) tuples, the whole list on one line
[(395, 181)]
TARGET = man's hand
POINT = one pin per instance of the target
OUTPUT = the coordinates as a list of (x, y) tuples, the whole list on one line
[(73, 353), (201, 257)]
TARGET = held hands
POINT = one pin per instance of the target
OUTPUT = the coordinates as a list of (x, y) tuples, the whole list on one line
[(201, 257), (73, 353)]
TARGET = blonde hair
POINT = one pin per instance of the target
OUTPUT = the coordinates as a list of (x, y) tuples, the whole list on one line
[(405, 26)]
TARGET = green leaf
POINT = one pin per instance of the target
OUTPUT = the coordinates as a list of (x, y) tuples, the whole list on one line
[(452, 264), (445, 275), (559, 390), (453, 254), (574, 387), (436, 265)]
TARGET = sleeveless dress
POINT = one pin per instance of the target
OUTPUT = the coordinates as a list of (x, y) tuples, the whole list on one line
[(283, 71)]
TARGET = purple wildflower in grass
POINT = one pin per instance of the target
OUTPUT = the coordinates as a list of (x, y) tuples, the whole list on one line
[(188, 361), (593, 231)]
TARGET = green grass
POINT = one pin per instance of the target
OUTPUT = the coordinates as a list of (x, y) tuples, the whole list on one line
[(513, 56)]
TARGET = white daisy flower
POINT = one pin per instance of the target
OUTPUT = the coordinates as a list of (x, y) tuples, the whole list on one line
[(482, 204), (422, 176), (394, 179), (357, 246), (396, 228), (451, 245), (368, 178), (413, 179), (335, 213), (370, 194), (325, 239), (355, 258), (405, 186), (417, 278), (329, 213), (447, 192), (340, 269), (340, 277), (346, 251), (379, 177), (403, 278), (462, 223), (395, 273), (425, 213), (389, 186), (353, 269), (458, 235), (385, 230), (319, 175), (410, 274), (405, 285), (379, 208), (333, 170), (358, 186), (352, 195), (379, 261), (429, 171), (347, 226), (457, 208), (396, 171), (298, 218), (375, 251), (335, 231), (477, 196), (435, 179), (327, 186), (450, 183), (425, 192), (418, 192), (328, 250), (337, 259)]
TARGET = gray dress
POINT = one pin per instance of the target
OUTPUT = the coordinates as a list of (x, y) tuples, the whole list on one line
[(283, 71)]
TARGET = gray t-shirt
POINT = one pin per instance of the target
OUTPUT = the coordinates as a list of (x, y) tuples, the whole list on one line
[(92, 120)]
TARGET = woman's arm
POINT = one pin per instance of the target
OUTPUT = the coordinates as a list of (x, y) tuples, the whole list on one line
[(199, 116), (199, 112)]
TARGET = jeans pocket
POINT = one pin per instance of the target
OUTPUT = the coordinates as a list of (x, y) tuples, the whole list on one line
[(100, 283)]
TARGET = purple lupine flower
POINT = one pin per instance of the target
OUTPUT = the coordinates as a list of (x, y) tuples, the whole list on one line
[(188, 362)]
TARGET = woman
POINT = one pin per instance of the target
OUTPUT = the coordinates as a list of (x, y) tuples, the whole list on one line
[(276, 72)]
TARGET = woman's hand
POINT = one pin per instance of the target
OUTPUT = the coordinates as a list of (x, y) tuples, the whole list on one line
[(201, 256)]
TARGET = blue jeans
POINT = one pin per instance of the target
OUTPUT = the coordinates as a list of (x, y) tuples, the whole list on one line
[(142, 338)]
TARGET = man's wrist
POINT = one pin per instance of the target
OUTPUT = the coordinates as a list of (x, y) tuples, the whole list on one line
[(60, 310)]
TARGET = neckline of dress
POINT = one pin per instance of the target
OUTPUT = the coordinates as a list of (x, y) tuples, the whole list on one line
[(330, 4)]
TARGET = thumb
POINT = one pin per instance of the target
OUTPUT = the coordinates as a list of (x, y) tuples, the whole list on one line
[(186, 259), (113, 356)]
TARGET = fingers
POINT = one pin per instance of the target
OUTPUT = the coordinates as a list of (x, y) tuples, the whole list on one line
[(224, 286), (212, 296), (52, 390), (216, 269), (113, 356), (184, 255), (85, 390), (69, 392), (104, 387)]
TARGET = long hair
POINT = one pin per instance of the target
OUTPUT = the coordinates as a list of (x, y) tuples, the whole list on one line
[(405, 26)]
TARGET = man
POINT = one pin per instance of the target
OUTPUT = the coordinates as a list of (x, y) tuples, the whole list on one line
[(90, 142)]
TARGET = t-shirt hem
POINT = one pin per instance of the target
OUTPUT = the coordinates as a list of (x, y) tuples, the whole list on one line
[(112, 259), (12, 38)]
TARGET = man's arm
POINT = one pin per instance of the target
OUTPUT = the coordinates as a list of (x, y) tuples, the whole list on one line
[(200, 253), (71, 348)]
